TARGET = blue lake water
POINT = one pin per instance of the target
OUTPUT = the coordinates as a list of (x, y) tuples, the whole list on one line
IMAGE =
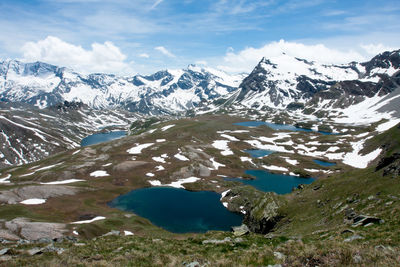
[(276, 126), (258, 153), (270, 182), (178, 210), (324, 163), (102, 137)]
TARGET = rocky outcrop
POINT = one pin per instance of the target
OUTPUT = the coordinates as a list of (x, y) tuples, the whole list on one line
[(26, 229), (390, 165), (261, 210)]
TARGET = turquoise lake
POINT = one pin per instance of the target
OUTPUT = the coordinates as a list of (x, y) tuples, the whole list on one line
[(258, 153), (178, 210), (271, 182), (324, 163), (276, 126), (102, 137)]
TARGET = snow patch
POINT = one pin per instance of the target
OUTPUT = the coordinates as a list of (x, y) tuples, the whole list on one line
[(99, 174), (229, 137), (69, 181), (223, 194), (33, 201), (155, 182), (128, 233), (215, 164), (138, 148), (244, 159), (49, 167), (181, 157), (275, 168), (360, 161), (177, 184), (159, 159), (98, 218), (223, 146), (387, 125), (167, 127), (160, 168), (292, 161)]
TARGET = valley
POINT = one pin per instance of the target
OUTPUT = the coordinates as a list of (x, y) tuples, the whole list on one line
[(305, 170)]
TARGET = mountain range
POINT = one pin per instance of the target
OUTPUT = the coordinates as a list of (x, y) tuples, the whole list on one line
[(164, 92), (283, 82)]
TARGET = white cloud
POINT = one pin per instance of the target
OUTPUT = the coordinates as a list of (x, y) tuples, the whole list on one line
[(246, 59), (144, 55), (156, 3), (201, 62), (164, 51), (374, 49), (105, 58)]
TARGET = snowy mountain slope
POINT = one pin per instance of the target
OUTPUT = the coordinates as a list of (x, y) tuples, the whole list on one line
[(165, 92), (29, 134), (283, 80), (296, 84)]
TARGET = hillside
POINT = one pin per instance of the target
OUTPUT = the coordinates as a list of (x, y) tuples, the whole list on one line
[(314, 225)]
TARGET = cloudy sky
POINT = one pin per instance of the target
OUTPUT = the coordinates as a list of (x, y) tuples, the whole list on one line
[(143, 36)]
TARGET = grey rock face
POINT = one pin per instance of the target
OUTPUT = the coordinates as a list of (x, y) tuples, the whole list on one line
[(35, 230)]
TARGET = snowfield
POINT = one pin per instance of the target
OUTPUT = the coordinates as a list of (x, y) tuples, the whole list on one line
[(223, 146), (138, 148)]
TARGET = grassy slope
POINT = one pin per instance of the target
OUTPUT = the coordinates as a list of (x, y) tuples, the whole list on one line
[(311, 232)]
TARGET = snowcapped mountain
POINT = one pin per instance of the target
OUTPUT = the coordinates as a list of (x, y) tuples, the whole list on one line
[(281, 83), (164, 92), (290, 83)]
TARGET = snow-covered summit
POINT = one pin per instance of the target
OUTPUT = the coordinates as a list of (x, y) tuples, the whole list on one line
[(167, 91), (282, 81)]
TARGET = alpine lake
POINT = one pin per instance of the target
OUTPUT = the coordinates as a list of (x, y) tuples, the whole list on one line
[(181, 211)]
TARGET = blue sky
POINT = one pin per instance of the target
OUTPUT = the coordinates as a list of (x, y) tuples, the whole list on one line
[(122, 36)]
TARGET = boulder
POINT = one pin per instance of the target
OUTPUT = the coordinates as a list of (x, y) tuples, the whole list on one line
[(240, 230), (363, 220)]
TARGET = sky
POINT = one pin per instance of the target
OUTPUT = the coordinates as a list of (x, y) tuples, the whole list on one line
[(126, 37)]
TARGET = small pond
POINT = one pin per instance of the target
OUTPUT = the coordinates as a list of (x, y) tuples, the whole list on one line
[(258, 153), (178, 210), (276, 126), (324, 163), (98, 138), (271, 182)]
